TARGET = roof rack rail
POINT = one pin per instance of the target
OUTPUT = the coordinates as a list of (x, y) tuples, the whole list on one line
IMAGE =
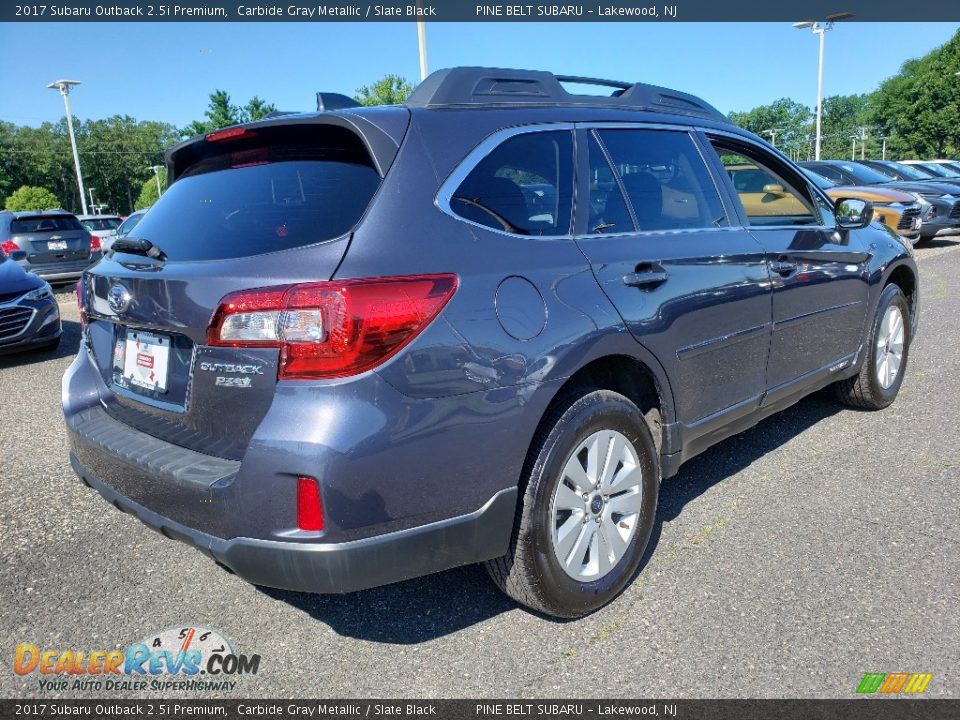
[(479, 86)]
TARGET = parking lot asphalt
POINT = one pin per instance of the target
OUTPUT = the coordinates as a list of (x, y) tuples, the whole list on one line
[(789, 560)]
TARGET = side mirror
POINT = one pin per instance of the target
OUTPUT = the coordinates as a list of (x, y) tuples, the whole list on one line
[(853, 213), (774, 189)]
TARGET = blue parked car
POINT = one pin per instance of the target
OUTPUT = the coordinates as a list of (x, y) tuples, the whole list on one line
[(356, 346)]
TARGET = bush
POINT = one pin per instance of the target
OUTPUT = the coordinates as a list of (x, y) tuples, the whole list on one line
[(31, 198)]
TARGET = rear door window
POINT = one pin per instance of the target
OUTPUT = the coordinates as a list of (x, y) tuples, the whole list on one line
[(665, 179), (270, 192), (44, 224), (524, 186)]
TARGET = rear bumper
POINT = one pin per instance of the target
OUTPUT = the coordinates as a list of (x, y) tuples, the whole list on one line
[(61, 271), (341, 567)]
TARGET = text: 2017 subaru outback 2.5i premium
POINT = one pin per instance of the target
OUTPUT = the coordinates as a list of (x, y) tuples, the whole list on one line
[(351, 347)]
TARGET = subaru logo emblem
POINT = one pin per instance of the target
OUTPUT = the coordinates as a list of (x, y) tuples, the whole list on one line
[(119, 298)]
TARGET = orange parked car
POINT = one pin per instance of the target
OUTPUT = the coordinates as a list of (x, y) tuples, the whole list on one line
[(761, 195)]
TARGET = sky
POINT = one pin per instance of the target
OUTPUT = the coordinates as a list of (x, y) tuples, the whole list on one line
[(166, 71)]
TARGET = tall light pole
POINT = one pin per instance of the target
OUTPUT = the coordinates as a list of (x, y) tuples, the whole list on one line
[(156, 173), (422, 44), (821, 29), (64, 87), (883, 152), (773, 135)]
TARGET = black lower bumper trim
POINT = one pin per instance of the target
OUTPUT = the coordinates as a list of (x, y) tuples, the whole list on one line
[(343, 567)]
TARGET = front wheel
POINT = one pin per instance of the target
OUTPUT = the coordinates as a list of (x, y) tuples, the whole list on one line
[(590, 491), (885, 362)]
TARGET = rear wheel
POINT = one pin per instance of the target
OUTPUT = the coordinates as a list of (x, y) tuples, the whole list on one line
[(589, 498), (885, 363)]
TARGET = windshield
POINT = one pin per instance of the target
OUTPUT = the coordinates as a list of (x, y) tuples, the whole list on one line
[(862, 173), (940, 170), (819, 180), (909, 172), (99, 224), (129, 224)]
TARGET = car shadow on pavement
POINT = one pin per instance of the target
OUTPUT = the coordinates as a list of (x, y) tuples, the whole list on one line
[(437, 605), (69, 343)]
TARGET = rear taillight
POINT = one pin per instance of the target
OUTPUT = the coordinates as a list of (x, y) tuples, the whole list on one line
[(9, 246), (331, 329), (309, 508), (94, 244), (81, 291)]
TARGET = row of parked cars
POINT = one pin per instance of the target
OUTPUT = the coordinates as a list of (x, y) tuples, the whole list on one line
[(39, 247), (918, 199)]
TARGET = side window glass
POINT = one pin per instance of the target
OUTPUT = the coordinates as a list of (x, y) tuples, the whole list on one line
[(524, 186), (608, 209), (666, 182), (767, 198)]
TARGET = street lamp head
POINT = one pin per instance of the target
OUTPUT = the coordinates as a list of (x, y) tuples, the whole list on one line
[(837, 17), (803, 25), (63, 85)]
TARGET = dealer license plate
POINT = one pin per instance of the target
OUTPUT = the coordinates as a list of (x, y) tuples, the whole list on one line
[(145, 360)]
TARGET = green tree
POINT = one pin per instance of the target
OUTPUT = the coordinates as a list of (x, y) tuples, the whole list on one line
[(843, 117), (28, 197), (919, 109), (789, 118), (389, 90), (256, 109), (221, 113), (116, 153), (148, 192)]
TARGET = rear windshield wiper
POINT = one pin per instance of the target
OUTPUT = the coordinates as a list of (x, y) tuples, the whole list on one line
[(138, 246)]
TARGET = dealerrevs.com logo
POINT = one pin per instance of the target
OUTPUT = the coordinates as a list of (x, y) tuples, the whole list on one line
[(178, 658)]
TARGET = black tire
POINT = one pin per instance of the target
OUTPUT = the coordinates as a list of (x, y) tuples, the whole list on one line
[(864, 390), (530, 572)]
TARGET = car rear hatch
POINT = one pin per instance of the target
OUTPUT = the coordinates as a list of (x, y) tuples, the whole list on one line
[(50, 238), (267, 205)]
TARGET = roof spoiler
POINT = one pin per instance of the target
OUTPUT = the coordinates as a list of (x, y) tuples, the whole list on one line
[(478, 86), (334, 101)]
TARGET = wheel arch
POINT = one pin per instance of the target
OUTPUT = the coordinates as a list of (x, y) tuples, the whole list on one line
[(632, 374), (904, 275)]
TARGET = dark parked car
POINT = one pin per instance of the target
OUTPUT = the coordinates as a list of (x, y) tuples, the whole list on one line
[(903, 171), (477, 327), (29, 314), (941, 219), (51, 243)]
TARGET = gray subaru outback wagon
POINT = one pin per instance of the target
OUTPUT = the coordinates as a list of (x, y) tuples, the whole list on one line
[(356, 346)]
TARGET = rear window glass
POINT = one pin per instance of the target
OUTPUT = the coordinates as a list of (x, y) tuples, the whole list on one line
[(255, 197), (44, 224), (101, 224)]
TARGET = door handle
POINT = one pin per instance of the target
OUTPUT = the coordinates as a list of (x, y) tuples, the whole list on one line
[(782, 266), (647, 275)]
